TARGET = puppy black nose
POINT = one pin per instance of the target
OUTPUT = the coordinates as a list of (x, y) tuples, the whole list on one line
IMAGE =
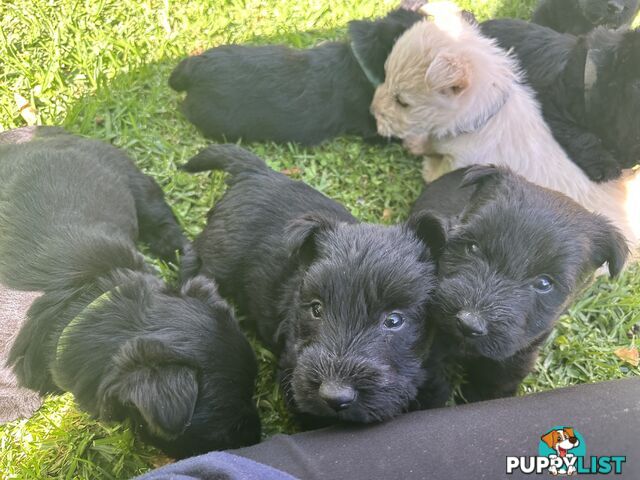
[(471, 324), (338, 396), (615, 6)]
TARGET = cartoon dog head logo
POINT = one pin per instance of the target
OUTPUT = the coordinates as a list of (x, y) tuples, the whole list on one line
[(562, 443), (561, 440)]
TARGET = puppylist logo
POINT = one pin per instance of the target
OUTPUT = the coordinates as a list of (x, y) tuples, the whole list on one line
[(562, 451)]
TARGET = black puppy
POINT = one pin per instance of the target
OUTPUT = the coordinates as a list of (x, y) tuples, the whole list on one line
[(105, 328), (515, 257), (283, 94), (589, 89), (581, 16), (344, 301)]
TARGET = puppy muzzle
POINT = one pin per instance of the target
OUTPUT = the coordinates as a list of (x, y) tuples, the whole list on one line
[(383, 125), (351, 388)]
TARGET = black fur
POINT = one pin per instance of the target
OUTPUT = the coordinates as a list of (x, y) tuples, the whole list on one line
[(156, 223), (597, 128), (504, 235), (284, 253), (581, 16), (283, 94), (105, 328)]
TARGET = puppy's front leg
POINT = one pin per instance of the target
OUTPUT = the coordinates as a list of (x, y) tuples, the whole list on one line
[(434, 166), (158, 225), (583, 147), (488, 378)]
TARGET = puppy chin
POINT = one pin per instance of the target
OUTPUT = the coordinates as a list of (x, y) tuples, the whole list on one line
[(384, 128), (490, 346)]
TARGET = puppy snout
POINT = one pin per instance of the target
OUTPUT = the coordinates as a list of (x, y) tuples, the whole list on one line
[(337, 396), (377, 114), (574, 441), (471, 324), (377, 110)]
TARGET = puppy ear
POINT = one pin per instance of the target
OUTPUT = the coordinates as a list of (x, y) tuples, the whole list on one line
[(549, 438), (149, 376), (430, 229), (569, 432), (301, 236), (202, 288), (478, 174), (610, 246), (449, 74)]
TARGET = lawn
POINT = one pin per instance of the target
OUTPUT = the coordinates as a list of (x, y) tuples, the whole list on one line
[(99, 68)]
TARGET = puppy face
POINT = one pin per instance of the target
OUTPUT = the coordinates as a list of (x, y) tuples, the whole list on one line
[(513, 261), (174, 362), (441, 76), (615, 101), (565, 439), (356, 329)]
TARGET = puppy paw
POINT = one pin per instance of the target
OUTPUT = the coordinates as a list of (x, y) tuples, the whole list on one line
[(167, 244), (433, 167), (603, 168)]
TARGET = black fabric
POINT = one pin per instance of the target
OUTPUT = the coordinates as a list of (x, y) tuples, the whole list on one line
[(465, 442)]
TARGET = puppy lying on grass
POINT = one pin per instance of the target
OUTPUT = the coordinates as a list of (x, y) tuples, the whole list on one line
[(589, 89), (581, 16), (283, 94), (343, 302), (105, 328), (516, 255), (457, 98)]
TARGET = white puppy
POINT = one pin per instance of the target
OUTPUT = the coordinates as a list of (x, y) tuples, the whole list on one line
[(454, 96)]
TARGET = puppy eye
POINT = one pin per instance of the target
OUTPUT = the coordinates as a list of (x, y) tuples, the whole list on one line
[(543, 284), (316, 309), (393, 321), (401, 102), (472, 248)]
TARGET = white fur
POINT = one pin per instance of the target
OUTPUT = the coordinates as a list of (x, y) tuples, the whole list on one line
[(492, 119)]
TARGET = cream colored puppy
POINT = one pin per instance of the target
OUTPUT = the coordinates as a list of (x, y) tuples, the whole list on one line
[(454, 96)]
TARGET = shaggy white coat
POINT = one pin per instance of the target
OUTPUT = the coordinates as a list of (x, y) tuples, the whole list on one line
[(454, 96)]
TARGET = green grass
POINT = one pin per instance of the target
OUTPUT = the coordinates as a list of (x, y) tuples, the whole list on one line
[(99, 68)]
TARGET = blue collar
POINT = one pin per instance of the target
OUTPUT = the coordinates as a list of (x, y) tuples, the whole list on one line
[(479, 122), (375, 81), (63, 339)]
